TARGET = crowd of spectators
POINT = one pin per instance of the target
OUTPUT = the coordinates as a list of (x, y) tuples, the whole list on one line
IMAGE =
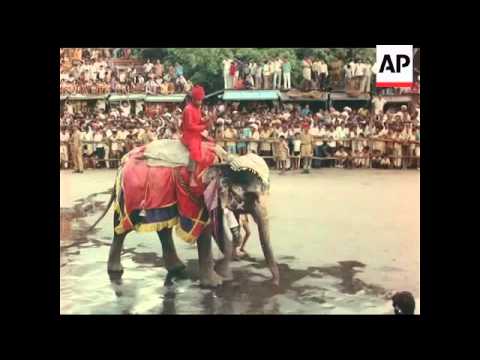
[(355, 76), (268, 74), (347, 138), (95, 72)]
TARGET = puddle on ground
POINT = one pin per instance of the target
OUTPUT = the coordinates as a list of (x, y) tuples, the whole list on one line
[(86, 287)]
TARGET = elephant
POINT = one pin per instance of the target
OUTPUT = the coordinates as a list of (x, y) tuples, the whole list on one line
[(242, 186)]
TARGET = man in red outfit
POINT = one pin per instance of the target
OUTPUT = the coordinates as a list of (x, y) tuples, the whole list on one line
[(194, 128)]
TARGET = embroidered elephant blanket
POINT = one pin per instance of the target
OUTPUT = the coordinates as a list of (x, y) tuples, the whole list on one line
[(151, 197)]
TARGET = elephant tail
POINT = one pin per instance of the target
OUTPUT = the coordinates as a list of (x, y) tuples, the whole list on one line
[(110, 202)]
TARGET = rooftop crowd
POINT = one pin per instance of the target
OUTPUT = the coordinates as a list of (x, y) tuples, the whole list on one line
[(276, 73), (95, 72), (284, 134)]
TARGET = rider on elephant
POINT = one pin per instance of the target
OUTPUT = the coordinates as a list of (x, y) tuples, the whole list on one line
[(194, 128)]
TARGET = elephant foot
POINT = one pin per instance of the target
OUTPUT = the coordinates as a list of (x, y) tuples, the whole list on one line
[(210, 280), (178, 271), (222, 268)]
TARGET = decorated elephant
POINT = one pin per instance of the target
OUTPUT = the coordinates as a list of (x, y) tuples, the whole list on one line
[(151, 194)]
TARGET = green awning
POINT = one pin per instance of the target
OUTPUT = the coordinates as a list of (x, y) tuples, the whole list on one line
[(253, 95), (87, 97), (165, 98), (115, 97)]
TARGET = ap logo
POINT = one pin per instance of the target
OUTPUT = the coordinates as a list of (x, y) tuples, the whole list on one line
[(395, 66)]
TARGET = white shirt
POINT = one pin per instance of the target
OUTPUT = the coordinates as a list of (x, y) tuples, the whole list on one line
[(323, 68), (148, 67), (359, 69), (114, 143), (378, 104), (277, 66), (98, 137), (226, 66), (314, 131), (66, 137), (101, 74), (254, 145), (296, 144)]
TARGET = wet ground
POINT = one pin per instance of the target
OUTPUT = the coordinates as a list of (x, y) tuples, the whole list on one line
[(344, 240)]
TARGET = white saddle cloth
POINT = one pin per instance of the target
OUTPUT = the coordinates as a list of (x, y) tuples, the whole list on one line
[(166, 152)]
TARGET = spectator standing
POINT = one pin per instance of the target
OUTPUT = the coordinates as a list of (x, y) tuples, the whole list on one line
[(76, 150), (230, 135), (323, 67), (282, 153), (258, 76), (265, 145), (64, 139), (147, 67), (178, 70), (306, 150), (226, 73), (307, 74), (267, 74), (99, 147), (158, 69), (114, 148), (286, 68), (378, 104), (277, 73), (297, 143), (316, 73), (253, 145), (253, 73)]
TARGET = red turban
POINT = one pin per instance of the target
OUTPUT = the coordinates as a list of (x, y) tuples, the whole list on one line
[(306, 126), (198, 93)]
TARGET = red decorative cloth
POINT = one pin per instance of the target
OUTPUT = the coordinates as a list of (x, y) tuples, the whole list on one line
[(150, 198)]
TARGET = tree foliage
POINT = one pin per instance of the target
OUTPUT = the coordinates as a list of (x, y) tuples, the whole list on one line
[(204, 65)]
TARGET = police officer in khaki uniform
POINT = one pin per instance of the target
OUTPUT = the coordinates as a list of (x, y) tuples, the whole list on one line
[(76, 149), (306, 148)]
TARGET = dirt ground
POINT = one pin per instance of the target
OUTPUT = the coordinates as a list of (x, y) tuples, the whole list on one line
[(344, 240)]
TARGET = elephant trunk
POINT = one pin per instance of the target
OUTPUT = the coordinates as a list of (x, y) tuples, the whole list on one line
[(259, 214)]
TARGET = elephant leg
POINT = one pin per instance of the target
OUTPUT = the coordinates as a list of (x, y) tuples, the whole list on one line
[(114, 264), (208, 277), (259, 214), (174, 266), (222, 266)]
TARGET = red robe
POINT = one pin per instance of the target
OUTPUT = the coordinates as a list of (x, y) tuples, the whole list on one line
[(192, 126)]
